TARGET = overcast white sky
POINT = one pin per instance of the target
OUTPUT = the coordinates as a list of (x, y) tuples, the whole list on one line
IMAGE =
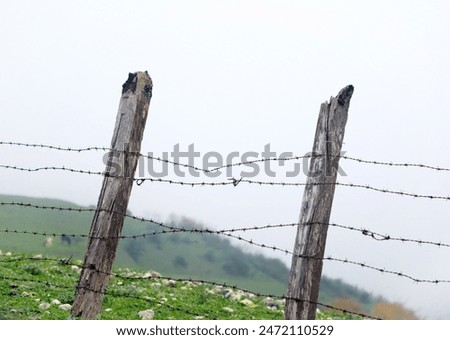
[(234, 76)]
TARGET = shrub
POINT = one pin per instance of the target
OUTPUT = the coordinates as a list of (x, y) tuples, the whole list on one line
[(393, 311), (348, 304), (33, 269)]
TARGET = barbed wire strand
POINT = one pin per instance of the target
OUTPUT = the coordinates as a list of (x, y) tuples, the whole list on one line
[(234, 182), (332, 259), (267, 159), (397, 164), (364, 231), (384, 237), (137, 218)]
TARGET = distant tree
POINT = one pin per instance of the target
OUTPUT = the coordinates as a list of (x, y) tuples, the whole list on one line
[(273, 268), (155, 240), (393, 311), (174, 238), (180, 262), (209, 256), (216, 242), (235, 266), (331, 289), (348, 304), (66, 239), (188, 240), (189, 223), (135, 248)]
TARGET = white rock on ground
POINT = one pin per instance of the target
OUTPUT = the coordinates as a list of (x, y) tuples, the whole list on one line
[(156, 284), (132, 275), (65, 307), (247, 302), (271, 304), (230, 294), (1, 253), (55, 302), (8, 253), (228, 309), (215, 290), (170, 283), (108, 310), (48, 242), (75, 269), (44, 306), (268, 300), (236, 296), (36, 257), (156, 274), (147, 314), (151, 274)]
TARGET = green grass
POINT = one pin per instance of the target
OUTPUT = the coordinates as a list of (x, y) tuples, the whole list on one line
[(160, 252), (27, 283), (179, 255)]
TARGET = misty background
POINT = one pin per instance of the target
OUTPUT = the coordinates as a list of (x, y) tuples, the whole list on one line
[(234, 76)]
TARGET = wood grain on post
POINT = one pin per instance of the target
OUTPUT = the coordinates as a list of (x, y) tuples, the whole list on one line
[(309, 248), (113, 200)]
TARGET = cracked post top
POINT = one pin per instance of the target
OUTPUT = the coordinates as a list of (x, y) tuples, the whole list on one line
[(141, 78)]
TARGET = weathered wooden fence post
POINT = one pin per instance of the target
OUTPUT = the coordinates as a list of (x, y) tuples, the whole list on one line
[(113, 201), (306, 269)]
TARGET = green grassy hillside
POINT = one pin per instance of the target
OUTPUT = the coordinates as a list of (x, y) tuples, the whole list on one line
[(25, 293), (178, 255)]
